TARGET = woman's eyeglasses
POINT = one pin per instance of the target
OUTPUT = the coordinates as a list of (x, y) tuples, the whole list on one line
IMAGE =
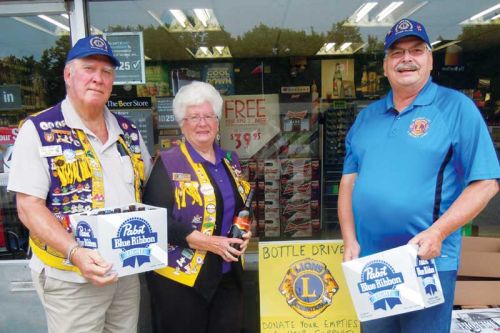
[(197, 119)]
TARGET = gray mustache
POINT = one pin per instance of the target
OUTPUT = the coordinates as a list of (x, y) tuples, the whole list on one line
[(407, 67)]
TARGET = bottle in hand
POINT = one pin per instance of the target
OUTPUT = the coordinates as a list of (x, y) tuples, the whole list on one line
[(241, 222)]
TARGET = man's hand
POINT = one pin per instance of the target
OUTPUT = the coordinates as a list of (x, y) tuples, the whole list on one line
[(93, 267), (351, 250), (429, 243)]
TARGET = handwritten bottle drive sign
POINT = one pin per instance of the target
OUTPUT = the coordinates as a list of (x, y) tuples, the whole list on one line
[(302, 288), (133, 241), (392, 282)]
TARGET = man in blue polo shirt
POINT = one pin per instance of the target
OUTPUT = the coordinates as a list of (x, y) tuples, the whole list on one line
[(419, 165)]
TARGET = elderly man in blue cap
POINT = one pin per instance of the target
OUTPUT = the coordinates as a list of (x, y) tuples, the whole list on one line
[(74, 157), (419, 165)]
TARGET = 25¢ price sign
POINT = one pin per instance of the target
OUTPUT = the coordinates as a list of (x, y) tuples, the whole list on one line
[(245, 139)]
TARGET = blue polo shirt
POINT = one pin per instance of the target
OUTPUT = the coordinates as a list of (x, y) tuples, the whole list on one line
[(411, 166)]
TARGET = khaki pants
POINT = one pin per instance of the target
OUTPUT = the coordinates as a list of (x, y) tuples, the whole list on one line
[(85, 308)]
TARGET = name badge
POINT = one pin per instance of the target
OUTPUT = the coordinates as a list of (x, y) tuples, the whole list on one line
[(49, 151), (181, 177)]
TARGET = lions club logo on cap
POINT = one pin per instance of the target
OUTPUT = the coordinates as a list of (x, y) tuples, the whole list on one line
[(403, 25), (308, 287), (419, 127), (98, 43)]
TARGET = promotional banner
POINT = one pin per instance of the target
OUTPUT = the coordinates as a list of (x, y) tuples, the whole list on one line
[(221, 76), (302, 288), (129, 49), (249, 122)]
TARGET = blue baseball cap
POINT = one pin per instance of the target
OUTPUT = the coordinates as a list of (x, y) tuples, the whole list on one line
[(92, 45), (405, 28)]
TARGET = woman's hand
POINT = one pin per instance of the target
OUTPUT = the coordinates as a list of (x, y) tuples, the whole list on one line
[(217, 244)]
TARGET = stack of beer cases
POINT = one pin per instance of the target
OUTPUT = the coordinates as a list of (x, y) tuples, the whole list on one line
[(300, 193), (249, 173), (270, 200)]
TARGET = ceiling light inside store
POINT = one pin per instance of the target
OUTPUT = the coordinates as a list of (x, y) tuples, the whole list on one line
[(179, 17), (54, 22), (364, 10), (484, 16), (33, 25), (345, 48), (388, 10), (386, 17), (329, 46), (204, 52), (202, 15), (441, 44), (190, 20)]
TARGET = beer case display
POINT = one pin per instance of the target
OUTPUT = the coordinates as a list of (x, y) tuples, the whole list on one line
[(392, 282), (133, 238)]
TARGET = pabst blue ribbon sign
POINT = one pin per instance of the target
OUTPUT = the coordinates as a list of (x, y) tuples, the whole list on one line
[(379, 280), (134, 237)]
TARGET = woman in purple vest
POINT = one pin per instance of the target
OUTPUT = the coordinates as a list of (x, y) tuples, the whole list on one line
[(201, 186)]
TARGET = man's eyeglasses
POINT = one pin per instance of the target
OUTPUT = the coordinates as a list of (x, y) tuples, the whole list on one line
[(197, 119), (413, 52)]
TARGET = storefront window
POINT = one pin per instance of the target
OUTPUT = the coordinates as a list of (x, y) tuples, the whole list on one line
[(32, 54), (293, 74)]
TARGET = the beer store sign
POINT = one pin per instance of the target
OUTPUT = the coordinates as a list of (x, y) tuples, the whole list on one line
[(10, 97)]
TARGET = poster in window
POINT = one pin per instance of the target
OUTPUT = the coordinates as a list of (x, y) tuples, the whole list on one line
[(221, 76), (249, 122), (337, 79)]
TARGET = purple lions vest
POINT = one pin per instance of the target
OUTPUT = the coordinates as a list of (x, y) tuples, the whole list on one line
[(195, 203), (75, 173)]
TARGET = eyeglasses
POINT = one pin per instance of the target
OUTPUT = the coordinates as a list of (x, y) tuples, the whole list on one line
[(197, 119), (416, 51)]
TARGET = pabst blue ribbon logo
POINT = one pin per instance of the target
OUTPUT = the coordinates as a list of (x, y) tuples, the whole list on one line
[(85, 236), (426, 271), (379, 279), (308, 287), (134, 237)]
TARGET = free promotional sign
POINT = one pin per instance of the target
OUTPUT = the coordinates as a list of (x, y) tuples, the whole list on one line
[(302, 288), (128, 47), (249, 122)]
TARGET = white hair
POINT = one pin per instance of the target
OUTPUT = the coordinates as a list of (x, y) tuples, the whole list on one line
[(196, 93)]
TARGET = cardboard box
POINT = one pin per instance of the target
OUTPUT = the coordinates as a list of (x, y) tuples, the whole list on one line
[(479, 272), (480, 257), (392, 282), (133, 241)]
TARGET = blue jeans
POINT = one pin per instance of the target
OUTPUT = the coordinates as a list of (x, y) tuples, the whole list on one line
[(436, 319)]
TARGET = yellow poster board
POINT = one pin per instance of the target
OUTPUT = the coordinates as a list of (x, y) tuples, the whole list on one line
[(302, 288)]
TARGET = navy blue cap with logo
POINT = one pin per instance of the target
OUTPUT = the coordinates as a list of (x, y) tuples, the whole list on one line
[(405, 28), (92, 45)]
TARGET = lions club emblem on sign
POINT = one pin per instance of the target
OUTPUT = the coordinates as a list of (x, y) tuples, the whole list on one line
[(419, 127), (308, 287)]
